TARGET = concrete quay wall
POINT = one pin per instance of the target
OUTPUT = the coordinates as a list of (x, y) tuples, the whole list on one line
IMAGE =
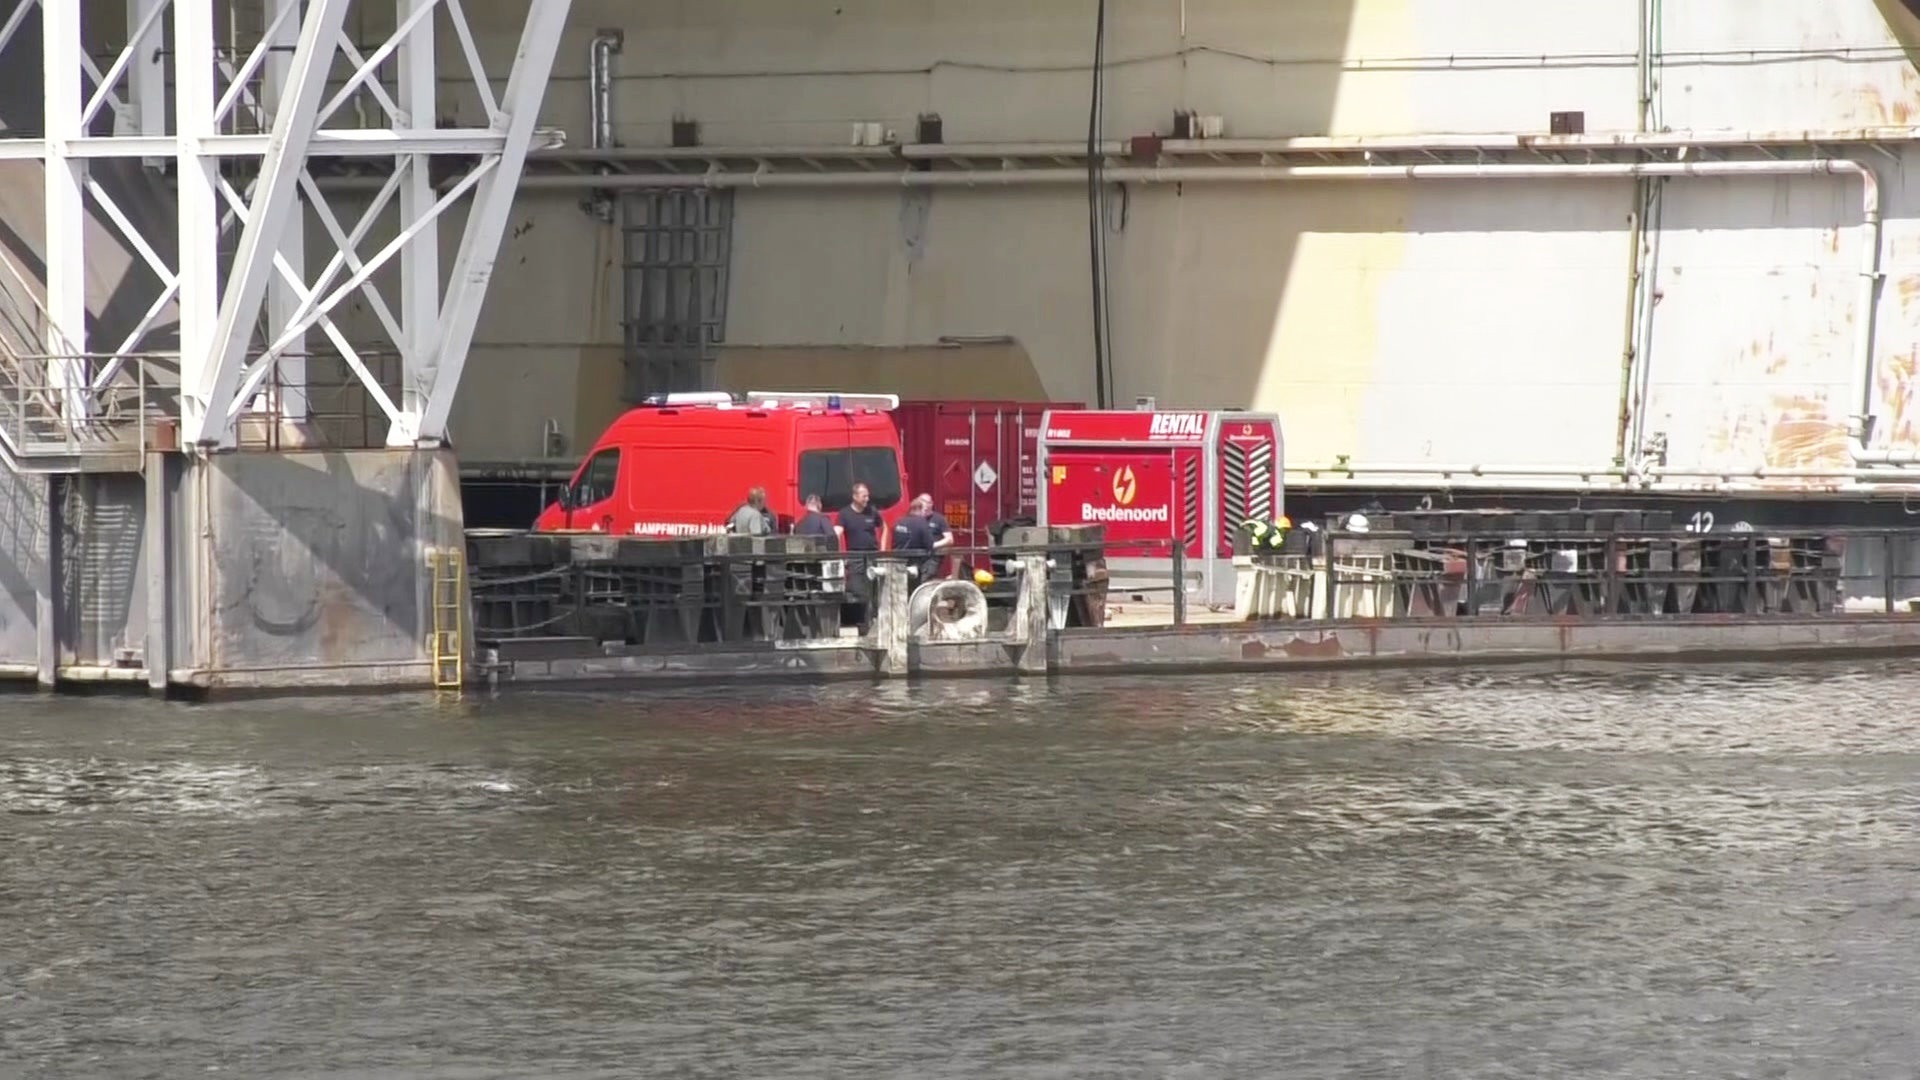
[(1264, 648)]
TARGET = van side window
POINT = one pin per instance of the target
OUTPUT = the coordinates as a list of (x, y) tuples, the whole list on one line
[(597, 479), (833, 473)]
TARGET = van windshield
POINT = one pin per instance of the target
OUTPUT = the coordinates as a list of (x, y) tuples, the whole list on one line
[(831, 474)]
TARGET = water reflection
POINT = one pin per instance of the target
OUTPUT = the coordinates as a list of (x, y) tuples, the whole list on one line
[(1524, 872)]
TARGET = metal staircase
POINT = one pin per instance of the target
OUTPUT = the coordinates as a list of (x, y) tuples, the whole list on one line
[(66, 414)]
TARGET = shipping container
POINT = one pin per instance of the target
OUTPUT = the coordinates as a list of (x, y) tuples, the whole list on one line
[(978, 459)]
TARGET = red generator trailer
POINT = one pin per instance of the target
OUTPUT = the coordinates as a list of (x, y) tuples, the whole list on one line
[(978, 459), (1159, 480)]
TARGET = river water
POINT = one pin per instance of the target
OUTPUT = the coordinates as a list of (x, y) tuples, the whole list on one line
[(1532, 873)]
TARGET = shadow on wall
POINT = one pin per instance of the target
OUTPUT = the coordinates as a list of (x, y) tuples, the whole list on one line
[(321, 554), (23, 532), (1903, 18)]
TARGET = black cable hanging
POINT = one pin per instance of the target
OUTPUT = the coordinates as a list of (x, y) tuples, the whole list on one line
[(1096, 215)]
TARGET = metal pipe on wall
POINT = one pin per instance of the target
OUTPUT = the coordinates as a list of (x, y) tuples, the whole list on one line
[(600, 53)]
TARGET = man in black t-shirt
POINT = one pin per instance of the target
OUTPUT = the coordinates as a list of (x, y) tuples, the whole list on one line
[(860, 522), (865, 535)]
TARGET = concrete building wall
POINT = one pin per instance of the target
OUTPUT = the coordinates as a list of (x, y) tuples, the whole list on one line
[(1408, 322)]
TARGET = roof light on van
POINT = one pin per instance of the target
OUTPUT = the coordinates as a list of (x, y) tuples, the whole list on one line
[(699, 397), (823, 399)]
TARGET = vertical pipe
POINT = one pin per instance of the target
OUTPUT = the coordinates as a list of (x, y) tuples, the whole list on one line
[(600, 53), (1629, 347), (1630, 333)]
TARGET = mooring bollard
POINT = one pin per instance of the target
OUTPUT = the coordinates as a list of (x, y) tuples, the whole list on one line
[(890, 627), (1031, 622)]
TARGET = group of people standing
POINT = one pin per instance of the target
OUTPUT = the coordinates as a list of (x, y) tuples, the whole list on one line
[(922, 537)]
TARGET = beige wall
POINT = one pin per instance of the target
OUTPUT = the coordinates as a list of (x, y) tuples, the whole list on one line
[(1457, 322)]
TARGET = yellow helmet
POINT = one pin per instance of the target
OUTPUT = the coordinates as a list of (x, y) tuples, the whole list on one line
[(983, 578), (1285, 522)]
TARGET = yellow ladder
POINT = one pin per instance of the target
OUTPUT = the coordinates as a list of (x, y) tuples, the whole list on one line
[(448, 644)]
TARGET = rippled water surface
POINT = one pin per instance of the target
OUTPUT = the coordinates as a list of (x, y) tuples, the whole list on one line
[(1530, 873)]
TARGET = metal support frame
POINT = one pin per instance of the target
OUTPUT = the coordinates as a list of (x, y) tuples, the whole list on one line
[(301, 72), (420, 262), (269, 217), (289, 399), (519, 110), (66, 218)]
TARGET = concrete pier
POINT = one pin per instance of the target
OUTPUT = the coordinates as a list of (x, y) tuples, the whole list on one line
[(232, 571)]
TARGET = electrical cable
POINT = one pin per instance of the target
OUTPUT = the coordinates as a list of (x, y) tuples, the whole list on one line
[(1096, 217)]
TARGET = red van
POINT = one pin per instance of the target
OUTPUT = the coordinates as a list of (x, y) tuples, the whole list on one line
[(681, 464)]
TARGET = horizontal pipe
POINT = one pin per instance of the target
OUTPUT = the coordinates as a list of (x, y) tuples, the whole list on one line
[(1185, 174), (1298, 145)]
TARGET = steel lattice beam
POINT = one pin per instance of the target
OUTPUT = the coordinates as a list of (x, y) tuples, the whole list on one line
[(283, 86), (487, 222), (276, 194)]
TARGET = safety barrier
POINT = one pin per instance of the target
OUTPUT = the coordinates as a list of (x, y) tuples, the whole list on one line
[(1630, 571), (736, 590)]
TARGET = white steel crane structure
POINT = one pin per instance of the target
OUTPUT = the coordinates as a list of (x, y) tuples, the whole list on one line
[(245, 307)]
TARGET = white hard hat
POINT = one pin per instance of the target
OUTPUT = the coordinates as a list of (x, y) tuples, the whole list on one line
[(1357, 523)]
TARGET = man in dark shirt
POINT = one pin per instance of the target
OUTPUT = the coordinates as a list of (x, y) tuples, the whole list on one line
[(914, 539), (942, 532), (864, 534), (815, 523)]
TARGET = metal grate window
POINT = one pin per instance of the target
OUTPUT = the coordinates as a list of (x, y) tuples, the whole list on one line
[(677, 248), (1246, 490)]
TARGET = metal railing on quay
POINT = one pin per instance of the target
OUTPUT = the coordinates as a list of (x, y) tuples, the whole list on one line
[(1404, 575), (716, 590)]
